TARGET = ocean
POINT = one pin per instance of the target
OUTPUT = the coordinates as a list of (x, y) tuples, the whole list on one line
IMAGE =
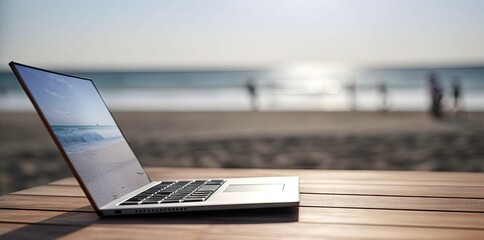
[(407, 90), (79, 138)]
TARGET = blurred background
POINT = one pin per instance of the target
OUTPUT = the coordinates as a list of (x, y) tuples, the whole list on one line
[(329, 84)]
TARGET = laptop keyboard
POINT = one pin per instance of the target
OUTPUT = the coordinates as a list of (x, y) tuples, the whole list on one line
[(176, 192)]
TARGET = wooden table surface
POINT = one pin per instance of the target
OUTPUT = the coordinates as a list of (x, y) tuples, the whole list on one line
[(334, 205)]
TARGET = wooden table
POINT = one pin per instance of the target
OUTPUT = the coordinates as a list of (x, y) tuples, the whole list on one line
[(334, 204)]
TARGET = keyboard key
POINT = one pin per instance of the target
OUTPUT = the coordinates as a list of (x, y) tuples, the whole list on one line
[(191, 197), (208, 188), (156, 198), (198, 196), (161, 194), (215, 182), (170, 201), (178, 196), (144, 195), (149, 202), (135, 199), (184, 192), (193, 200), (166, 183), (174, 197), (164, 192), (129, 203)]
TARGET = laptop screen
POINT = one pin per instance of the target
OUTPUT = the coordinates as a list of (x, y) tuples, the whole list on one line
[(87, 133)]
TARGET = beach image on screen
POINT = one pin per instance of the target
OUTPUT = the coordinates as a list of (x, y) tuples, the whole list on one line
[(87, 133)]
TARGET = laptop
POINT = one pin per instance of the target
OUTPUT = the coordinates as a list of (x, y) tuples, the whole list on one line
[(109, 172)]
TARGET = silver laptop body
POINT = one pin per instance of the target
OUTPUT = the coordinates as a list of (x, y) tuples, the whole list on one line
[(108, 171)]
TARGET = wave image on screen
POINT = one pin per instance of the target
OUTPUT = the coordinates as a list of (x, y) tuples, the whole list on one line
[(79, 138)]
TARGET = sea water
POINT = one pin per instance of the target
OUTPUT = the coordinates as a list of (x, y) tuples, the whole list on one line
[(79, 138), (276, 90)]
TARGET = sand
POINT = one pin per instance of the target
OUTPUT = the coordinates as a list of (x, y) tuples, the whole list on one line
[(109, 172), (326, 140)]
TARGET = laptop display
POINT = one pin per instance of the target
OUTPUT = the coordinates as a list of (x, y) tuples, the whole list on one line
[(86, 132)]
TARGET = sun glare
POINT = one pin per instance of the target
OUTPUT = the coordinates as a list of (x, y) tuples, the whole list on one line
[(307, 78)]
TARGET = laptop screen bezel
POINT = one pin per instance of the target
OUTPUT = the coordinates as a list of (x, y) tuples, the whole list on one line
[(13, 65)]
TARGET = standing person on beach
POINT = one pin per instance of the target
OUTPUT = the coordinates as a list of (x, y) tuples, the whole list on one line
[(383, 92), (456, 92), (351, 88), (436, 95), (252, 91)]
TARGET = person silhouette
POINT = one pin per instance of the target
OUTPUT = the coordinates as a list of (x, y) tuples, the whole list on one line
[(383, 92), (436, 95), (252, 91), (456, 92), (351, 89)]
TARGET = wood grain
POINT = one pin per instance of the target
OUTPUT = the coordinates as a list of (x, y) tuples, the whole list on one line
[(314, 199), (363, 188), (320, 176), (309, 175), (336, 231), (360, 188), (470, 221), (397, 203), (57, 203), (53, 190), (334, 204)]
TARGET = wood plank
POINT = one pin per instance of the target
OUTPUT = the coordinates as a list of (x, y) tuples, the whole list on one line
[(53, 190), (398, 203), (403, 218), (70, 181), (188, 220), (159, 173), (54, 203), (473, 221), (430, 201), (326, 188), (25, 231), (394, 190), (131, 232), (320, 176), (314, 181), (335, 231), (274, 231), (8, 227), (47, 217), (448, 182), (215, 232), (118, 231), (390, 183), (157, 226), (308, 200)]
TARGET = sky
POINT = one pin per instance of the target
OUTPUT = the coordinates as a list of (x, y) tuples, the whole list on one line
[(66, 101), (187, 34)]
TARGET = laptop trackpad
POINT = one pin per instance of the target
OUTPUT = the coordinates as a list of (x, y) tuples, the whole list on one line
[(255, 187)]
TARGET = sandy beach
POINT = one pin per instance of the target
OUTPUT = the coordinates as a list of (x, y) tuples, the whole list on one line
[(325, 140)]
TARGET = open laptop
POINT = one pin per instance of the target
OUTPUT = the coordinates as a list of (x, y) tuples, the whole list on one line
[(108, 171)]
